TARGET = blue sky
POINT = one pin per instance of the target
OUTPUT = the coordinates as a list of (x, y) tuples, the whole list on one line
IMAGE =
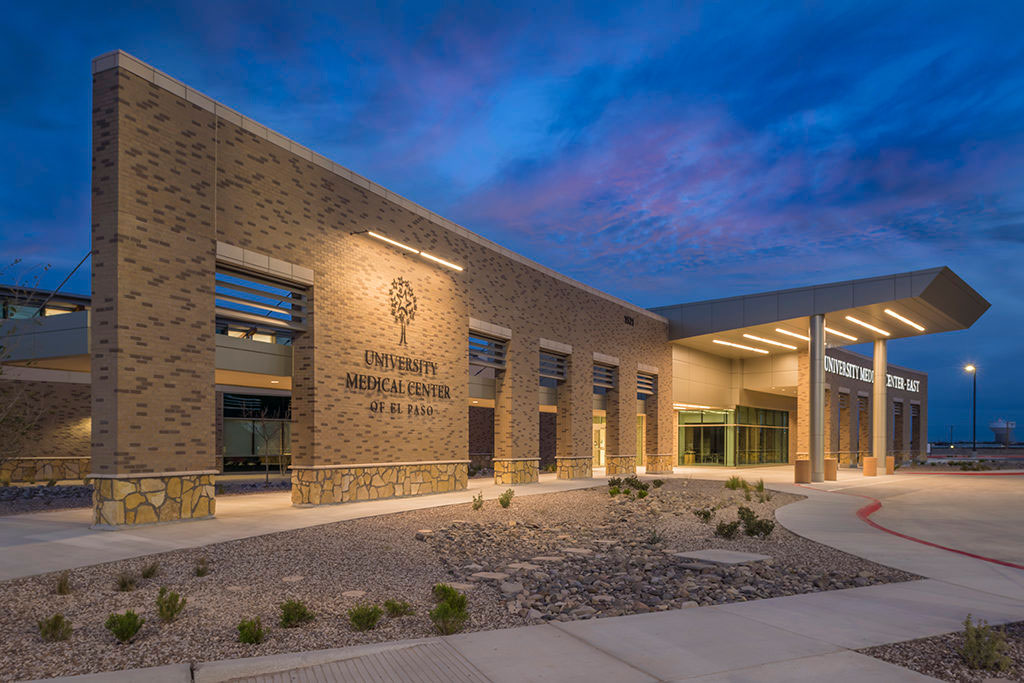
[(663, 153)]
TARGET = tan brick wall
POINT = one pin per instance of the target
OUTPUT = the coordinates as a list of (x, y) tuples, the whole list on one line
[(161, 164), (58, 438)]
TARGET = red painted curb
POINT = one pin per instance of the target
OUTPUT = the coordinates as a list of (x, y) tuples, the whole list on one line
[(875, 505), (974, 474)]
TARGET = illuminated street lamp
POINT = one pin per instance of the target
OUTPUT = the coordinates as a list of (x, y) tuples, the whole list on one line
[(974, 408)]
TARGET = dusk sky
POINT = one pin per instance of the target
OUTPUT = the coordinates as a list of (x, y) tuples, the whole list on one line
[(662, 154)]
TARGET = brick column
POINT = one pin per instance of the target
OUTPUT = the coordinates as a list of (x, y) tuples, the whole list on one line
[(516, 418), (575, 421), (621, 416), (152, 324)]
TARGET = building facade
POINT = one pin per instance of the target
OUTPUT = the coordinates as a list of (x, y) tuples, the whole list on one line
[(239, 278)]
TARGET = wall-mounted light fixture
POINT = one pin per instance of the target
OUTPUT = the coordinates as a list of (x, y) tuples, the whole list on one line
[(413, 250)]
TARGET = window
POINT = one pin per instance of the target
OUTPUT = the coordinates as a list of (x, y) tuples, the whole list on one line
[(258, 308), (740, 437)]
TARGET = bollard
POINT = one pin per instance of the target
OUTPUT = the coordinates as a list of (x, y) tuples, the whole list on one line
[(802, 471), (870, 466), (831, 469)]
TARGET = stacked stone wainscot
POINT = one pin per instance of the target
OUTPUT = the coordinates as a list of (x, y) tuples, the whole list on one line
[(581, 467), (620, 464), (124, 500), (42, 469), (660, 463), (329, 484), (516, 470)]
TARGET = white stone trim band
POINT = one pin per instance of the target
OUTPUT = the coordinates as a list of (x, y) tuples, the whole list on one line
[(606, 359), (119, 58), (263, 263), (556, 347), (490, 329), (152, 475), (649, 369)]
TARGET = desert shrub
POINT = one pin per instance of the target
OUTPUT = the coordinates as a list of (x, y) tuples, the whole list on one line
[(614, 482), (614, 491), (754, 526), (125, 582), (727, 529), (55, 628), (704, 514), (734, 483), (984, 647), (124, 626), (478, 501), (294, 613), (654, 537), (364, 617), (634, 482), (759, 486), (202, 568), (657, 483), (449, 616), (506, 498), (64, 583), (150, 570), (746, 494), (398, 608), (642, 493), (251, 631), (51, 482), (443, 592), (169, 605)]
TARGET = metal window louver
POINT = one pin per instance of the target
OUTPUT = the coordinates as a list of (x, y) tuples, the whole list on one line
[(646, 384), (487, 352), (604, 376), (262, 304), (553, 366), (915, 410)]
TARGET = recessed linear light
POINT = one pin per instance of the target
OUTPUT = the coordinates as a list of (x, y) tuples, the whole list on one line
[(275, 381), (412, 250), (769, 341), (792, 334), (739, 346), (879, 330), (689, 406), (899, 317), (840, 334)]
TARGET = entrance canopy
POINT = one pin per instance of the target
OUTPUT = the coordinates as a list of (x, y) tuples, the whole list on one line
[(856, 311)]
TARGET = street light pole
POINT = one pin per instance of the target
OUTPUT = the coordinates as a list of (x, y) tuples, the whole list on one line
[(974, 408)]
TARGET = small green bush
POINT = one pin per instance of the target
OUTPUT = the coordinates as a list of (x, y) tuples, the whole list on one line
[(449, 617), (51, 482), (64, 583), (657, 483), (294, 613), (614, 482), (55, 628), (251, 631), (364, 617), (398, 608), (478, 501), (746, 494), (124, 626), (150, 570), (614, 491), (704, 514), (202, 568), (169, 605), (654, 537), (734, 483), (759, 486), (506, 498), (633, 482), (125, 582), (442, 592), (642, 493), (984, 647), (752, 525), (727, 529)]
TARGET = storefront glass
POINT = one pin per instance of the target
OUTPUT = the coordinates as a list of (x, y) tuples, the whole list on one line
[(740, 437)]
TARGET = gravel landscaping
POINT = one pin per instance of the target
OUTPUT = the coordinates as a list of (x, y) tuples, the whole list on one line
[(939, 656), (571, 555)]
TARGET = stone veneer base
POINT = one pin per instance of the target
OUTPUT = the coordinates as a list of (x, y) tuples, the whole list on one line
[(43, 469), (620, 464), (660, 464), (575, 468), (516, 470), (332, 484), (130, 500)]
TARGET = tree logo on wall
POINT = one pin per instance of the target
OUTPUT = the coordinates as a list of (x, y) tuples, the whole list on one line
[(403, 304)]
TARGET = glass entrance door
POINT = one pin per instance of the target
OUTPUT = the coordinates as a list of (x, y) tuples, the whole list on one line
[(600, 438)]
